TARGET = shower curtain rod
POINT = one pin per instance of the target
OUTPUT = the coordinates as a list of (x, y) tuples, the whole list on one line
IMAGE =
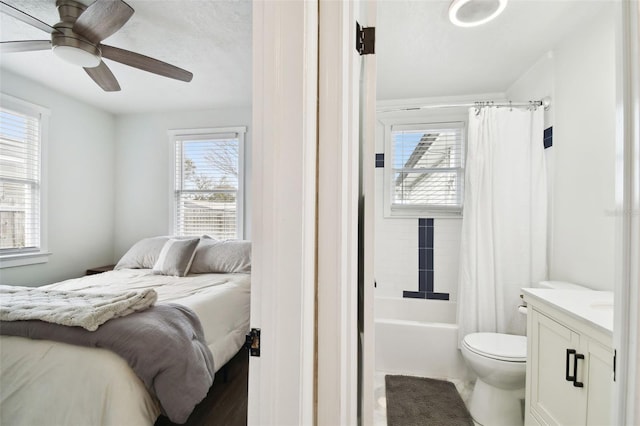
[(544, 102)]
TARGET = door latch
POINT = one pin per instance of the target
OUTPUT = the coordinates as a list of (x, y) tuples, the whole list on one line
[(252, 342)]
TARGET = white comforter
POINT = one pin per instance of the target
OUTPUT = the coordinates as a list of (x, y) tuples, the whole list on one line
[(50, 383)]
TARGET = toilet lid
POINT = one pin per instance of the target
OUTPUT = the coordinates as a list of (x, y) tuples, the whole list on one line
[(506, 347)]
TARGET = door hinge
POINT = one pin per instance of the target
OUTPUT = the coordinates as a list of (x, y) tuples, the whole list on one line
[(365, 39), (615, 358), (252, 342)]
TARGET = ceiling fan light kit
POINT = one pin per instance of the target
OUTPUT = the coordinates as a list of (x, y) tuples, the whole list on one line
[(77, 56), (77, 39)]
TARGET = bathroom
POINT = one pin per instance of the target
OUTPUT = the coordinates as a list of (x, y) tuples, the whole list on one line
[(431, 72)]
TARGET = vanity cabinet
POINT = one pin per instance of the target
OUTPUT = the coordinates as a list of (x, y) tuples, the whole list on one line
[(569, 368)]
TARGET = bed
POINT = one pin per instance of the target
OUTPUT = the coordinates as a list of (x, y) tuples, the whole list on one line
[(43, 382)]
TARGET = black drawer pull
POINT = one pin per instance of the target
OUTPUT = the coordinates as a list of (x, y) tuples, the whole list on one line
[(576, 383), (568, 377)]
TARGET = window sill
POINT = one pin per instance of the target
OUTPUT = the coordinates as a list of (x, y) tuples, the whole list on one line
[(417, 212), (23, 259)]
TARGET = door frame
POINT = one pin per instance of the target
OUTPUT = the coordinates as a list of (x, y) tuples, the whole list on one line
[(281, 380), (626, 396), (338, 159)]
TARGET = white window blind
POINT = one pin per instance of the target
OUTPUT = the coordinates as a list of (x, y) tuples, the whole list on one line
[(20, 182), (208, 184), (427, 166)]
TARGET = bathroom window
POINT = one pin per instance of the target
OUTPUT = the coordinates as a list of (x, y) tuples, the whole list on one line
[(424, 169)]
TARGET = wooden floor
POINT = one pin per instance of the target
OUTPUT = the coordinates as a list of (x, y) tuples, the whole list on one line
[(226, 403)]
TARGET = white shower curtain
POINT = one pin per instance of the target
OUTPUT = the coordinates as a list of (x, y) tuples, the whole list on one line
[(504, 226)]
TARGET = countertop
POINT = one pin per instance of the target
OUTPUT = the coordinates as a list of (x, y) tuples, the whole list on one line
[(590, 306)]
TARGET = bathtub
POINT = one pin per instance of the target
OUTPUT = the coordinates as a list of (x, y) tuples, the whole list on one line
[(417, 337)]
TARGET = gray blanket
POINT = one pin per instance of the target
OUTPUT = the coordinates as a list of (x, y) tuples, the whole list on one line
[(164, 345)]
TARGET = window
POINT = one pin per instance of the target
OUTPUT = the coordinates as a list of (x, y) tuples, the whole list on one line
[(208, 182), (23, 127), (424, 173)]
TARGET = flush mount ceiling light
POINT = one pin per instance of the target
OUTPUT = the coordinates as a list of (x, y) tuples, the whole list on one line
[(471, 13)]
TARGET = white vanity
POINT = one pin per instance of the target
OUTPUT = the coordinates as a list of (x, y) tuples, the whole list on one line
[(569, 357)]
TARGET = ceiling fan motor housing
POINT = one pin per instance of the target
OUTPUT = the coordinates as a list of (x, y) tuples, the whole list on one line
[(69, 11)]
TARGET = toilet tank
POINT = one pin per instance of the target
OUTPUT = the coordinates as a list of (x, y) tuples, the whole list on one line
[(561, 285)]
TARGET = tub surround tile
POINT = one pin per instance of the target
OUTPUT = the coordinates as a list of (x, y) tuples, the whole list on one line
[(426, 232), (414, 294), (437, 296)]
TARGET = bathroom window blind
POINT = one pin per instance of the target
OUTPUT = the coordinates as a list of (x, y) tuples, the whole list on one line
[(20, 181), (208, 184), (427, 166)]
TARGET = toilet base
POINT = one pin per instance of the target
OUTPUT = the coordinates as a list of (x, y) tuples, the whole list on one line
[(490, 406)]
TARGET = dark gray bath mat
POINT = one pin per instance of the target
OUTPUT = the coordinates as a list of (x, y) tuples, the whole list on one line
[(418, 401)]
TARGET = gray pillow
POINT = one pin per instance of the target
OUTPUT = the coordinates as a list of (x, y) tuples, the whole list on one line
[(175, 257), (143, 254), (222, 256)]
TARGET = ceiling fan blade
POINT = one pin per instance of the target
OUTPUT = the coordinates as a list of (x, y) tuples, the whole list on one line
[(103, 77), (102, 18), (145, 63), (7, 9), (24, 46)]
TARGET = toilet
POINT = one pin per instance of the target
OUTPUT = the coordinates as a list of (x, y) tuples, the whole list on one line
[(499, 361)]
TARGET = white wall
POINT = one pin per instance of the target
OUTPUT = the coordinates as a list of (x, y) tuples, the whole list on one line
[(80, 185), (584, 144), (143, 169), (578, 75)]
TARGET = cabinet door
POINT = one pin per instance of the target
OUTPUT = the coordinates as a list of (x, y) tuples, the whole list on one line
[(599, 383), (554, 399)]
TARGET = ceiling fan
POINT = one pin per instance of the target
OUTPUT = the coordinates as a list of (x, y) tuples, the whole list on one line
[(77, 39)]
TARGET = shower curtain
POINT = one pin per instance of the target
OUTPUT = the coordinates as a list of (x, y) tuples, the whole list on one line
[(504, 226)]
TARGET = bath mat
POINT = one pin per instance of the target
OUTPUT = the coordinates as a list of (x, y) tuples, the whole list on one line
[(418, 401)]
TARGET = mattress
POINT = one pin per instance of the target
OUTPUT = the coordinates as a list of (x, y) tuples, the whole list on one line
[(45, 382)]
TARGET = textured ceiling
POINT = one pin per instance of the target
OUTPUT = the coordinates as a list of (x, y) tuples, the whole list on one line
[(212, 39), (421, 54)]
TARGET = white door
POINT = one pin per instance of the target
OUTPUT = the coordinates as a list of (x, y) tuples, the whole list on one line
[(367, 106), (281, 381), (347, 101)]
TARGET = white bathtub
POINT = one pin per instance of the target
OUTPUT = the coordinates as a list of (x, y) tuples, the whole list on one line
[(418, 337)]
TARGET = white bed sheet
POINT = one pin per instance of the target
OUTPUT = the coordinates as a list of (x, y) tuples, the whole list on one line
[(50, 383)]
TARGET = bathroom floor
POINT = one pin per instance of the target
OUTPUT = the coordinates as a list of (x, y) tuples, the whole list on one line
[(380, 403)]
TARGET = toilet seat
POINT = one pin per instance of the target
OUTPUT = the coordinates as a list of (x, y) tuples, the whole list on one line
[(501, 347)]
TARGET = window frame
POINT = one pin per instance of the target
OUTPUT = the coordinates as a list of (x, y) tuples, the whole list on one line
[(415, 123), (176, 135), (21, 257)]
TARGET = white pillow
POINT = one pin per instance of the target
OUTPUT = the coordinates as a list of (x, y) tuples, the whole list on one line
[(222, 256), (143, 254), (175, 257)]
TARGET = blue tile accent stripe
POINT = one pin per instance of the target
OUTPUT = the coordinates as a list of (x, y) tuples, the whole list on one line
[(548, 137), (426, 230), (379, 160), (438, 296), (414, 294), (425, 295)]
